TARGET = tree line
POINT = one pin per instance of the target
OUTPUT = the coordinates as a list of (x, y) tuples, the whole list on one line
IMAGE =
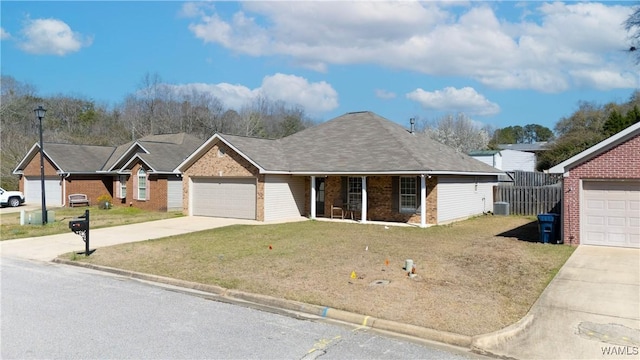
[(154, 108)]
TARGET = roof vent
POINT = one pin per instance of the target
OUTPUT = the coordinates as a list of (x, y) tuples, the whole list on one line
[(412, 121)]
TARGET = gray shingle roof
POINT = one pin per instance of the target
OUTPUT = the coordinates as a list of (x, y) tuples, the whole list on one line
[(268, 154), (78, 158), (361, 142), (165, 152)]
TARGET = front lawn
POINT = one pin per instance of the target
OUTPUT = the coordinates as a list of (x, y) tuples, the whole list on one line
[(473, 277), (10, 227)]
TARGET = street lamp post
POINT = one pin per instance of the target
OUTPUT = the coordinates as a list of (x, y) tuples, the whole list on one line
[(40, 111)]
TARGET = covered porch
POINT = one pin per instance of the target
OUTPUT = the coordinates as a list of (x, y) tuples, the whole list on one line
[(395, 198)]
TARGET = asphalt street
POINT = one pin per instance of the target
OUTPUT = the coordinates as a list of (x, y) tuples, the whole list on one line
[(55, 311)]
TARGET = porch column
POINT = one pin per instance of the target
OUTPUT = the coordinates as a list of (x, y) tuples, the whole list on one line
[(363, 215), (423, 201), (313, 197)]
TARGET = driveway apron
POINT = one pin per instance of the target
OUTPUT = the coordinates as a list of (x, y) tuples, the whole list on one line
[(590, 310)]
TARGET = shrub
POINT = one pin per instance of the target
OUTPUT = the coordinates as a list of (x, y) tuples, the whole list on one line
[(105, 202)]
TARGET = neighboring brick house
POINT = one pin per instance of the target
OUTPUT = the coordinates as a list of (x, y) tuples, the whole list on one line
[(601, 204), (359, 164), (140, 173)]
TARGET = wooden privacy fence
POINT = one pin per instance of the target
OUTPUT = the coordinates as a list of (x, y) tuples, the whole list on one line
[(532, 178), (530, 200)]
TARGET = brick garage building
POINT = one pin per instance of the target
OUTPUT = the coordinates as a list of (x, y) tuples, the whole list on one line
[(139, 174), (601, 204)]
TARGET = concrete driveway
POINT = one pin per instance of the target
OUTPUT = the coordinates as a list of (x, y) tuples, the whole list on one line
[(48, 248), (590, 310)]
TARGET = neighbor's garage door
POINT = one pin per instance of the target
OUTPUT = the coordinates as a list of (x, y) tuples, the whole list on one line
[(52, 190), (611, 214), (224, 197)]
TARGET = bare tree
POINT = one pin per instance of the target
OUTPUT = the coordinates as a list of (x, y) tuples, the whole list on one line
[(459, 132), (632, 24)]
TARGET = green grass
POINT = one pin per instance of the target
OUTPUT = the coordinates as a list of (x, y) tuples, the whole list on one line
[(474, 276), (10, 227)]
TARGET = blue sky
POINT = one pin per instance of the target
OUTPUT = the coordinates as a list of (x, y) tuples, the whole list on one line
[(501, 63)]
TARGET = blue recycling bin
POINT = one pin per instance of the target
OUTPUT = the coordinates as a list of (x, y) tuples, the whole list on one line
[(548, 225)]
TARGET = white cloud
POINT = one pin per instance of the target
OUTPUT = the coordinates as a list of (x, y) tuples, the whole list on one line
[(315, 98), (4, 34), (51, 36), (384, 94), (544, 49), (450, 99), (605, 79)]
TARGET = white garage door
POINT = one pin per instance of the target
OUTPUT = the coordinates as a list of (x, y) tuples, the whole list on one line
[(52, 190), (611, 214), (224, 197)]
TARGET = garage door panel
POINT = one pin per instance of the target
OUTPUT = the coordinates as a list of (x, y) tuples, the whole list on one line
[(617, 237), (595, 204), (595, 220), (611, 213), (635, 240), (224, 197), (33, 191), (616, 221)]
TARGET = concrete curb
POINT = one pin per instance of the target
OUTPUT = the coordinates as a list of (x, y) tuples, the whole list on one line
[(294, 306), (481, 343)]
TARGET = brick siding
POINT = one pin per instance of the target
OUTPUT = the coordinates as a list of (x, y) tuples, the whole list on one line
[(227, 163), (95, 186), (621, 162)]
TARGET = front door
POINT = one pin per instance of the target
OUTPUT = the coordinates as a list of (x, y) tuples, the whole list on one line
[(319, 196)]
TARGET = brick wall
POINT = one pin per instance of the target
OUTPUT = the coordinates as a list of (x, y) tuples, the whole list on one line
[(33, 170), (91, 185), (621, 162), (157, 190), (222, 161)]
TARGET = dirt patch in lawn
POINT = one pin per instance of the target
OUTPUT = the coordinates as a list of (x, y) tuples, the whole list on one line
[(472, 277)]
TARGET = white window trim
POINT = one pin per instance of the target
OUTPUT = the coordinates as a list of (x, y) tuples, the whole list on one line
[(354, 199), (122, 186), (414, 188), (144, 184)]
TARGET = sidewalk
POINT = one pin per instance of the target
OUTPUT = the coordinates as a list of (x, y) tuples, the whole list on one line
[(47, 248), (590, 310)]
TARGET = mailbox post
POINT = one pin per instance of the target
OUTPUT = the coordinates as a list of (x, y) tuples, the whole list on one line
[(80, 226)]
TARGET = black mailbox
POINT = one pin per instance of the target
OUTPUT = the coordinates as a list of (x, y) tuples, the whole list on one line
[(78, 225)]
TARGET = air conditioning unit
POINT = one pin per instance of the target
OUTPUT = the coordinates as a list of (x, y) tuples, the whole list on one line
[(501, 208)]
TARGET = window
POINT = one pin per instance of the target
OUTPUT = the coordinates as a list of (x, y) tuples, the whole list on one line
[(123, 186), (354, 193), (142, 184), (408, 194)]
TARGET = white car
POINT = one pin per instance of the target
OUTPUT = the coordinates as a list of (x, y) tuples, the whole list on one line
[(11, 198)]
